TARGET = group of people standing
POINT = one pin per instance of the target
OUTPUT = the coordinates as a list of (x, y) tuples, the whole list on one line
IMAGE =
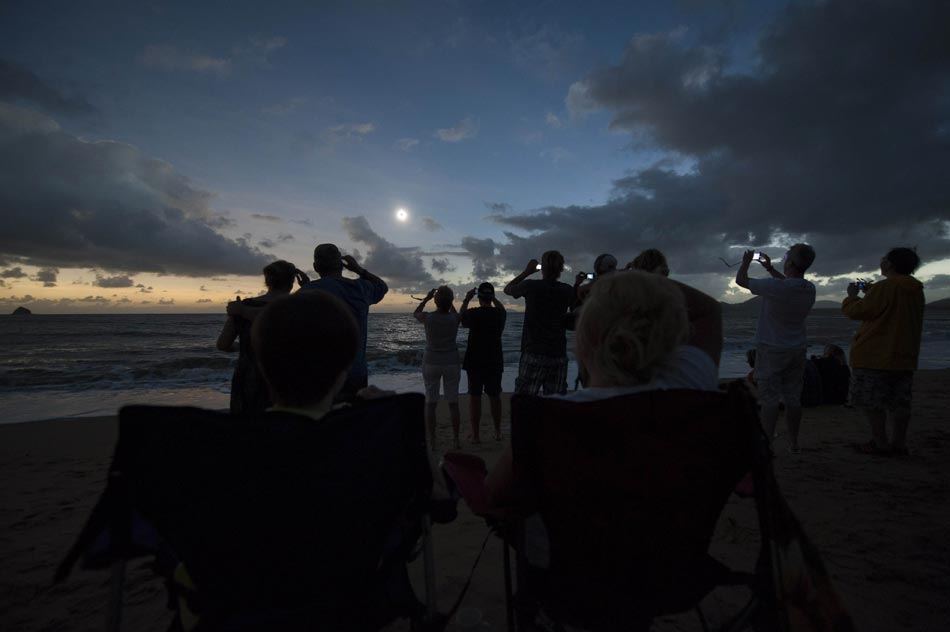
[(642, 330)]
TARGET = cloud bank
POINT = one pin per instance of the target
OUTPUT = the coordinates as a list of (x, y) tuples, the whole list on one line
[(70, 203), (838, 135)]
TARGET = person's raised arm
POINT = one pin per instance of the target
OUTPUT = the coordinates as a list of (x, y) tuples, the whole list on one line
[(419, 314), (742, 274), (380, 287), (766, 262), (530, 269), (464, 309), (228, 335), (705, 321), (867, 308), (498, 305)]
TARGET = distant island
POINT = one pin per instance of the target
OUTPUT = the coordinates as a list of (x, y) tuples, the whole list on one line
[(751, 306), (21, 311)]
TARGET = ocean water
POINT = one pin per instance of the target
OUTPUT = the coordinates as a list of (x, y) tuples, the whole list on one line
[(82, 365)]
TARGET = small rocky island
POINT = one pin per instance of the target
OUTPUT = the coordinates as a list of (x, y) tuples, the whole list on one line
[(21, 311)]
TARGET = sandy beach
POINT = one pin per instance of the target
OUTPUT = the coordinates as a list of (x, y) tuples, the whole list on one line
[(881, 523)]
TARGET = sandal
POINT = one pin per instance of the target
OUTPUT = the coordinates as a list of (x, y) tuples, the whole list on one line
[(870, 447)]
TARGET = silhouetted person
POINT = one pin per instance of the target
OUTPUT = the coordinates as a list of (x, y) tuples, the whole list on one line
[(835, 375), (543, 340), (604, 264), (650, 260), (358, 294), (484, 361), (248, 391), (440, 362), (780, 336), (885, 348)]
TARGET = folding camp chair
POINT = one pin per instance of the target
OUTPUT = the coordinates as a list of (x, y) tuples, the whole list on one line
[(629, 490), (276, 521)]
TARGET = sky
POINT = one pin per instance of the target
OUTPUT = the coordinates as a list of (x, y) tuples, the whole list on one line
[(155, 156)]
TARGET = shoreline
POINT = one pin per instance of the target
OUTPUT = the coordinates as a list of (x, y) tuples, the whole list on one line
[(880, 523)]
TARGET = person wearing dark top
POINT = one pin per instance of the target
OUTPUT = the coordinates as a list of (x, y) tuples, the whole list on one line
[(357, 294), (543, 363), (835, 375), (249, 393), (484, 361)]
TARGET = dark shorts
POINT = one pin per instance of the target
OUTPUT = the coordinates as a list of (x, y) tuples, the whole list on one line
[(878, 389), (487, 379)]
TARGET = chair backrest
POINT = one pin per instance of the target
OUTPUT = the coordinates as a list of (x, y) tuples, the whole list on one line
[(276, 512), (630, 488)]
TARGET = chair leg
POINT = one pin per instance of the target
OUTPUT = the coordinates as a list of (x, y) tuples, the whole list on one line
[(428, 558), (114, 609), (702, 619), (509, 605)]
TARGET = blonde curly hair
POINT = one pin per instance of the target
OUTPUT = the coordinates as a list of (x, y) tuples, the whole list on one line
[(628, 325)]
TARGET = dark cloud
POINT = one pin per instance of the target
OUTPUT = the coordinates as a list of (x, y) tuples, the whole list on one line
[(833, 137), (430, 224), (203, 289), (115, 281), (20, 84), (402, 268), (14, 273), (72, 203), (485, 263), (266, 243), (498, 208), (267, 218), (166, 301), (143, 289), (441, 266), (47, 276), (285, 237), (937, 285), (204, 300)]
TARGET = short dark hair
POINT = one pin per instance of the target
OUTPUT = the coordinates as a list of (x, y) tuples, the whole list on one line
[(904, 260), (279, 275), (552, 261), (327, 259), (801, 256), (302, 343)]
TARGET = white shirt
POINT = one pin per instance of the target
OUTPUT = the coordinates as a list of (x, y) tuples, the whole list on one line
[(687, 367), (785, 305)]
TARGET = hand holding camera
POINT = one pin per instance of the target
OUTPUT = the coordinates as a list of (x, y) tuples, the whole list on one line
[(532, 267)]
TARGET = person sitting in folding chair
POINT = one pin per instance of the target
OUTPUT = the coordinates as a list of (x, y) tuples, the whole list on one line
[(299, 518), (637, 332)]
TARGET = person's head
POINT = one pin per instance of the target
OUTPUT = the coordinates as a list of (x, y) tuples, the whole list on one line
[(486, 294), (327, 260), (798, 259), (443, 298), (279, 276), (650, 260), (750, 357), (304, 344), (552, 264), (605, 264), (628, 325), (836, 352), (900, 260)]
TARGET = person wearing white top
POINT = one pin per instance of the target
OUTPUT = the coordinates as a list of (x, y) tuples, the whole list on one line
[(780, 335)]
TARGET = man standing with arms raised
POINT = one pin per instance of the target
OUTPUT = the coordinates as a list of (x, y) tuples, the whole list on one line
[(358, 294), (780, 337), (543, 340)]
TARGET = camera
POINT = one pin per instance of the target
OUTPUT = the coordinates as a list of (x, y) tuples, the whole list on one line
[(862, 285)]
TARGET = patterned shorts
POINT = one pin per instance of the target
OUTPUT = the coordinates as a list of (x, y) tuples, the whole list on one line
[(878, 389), (779, 374), (538, 372)]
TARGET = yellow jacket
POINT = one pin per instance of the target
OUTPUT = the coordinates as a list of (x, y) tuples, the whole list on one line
[(892, 312)]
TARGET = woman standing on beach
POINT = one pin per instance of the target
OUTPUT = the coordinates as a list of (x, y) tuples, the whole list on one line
[(440, 362), (248, 390)]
